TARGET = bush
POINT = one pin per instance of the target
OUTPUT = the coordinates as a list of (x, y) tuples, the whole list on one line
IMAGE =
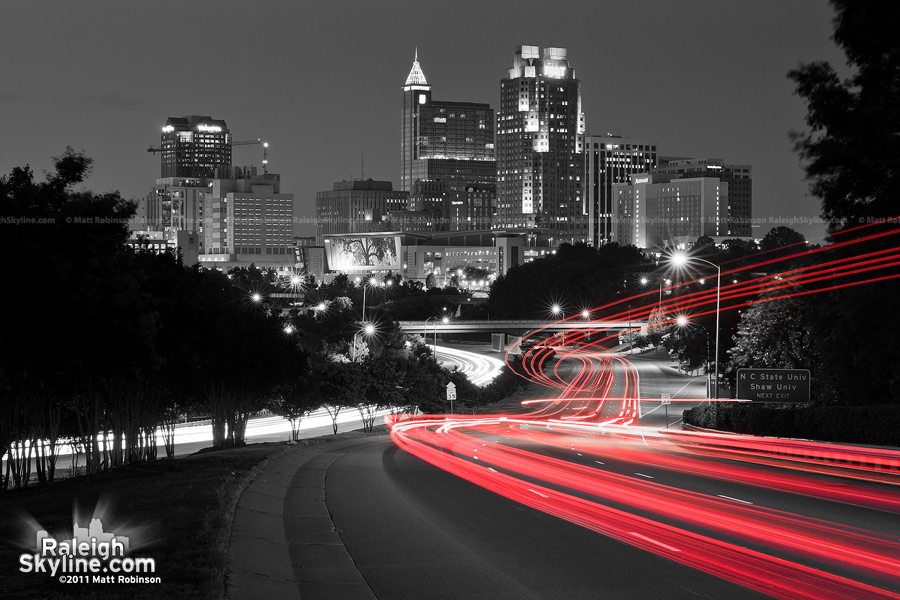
[(877, 425)]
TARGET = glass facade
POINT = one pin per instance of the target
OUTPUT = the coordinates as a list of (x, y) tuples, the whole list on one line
[(446, 151), (195, 146), (540, 145), (609, 160)]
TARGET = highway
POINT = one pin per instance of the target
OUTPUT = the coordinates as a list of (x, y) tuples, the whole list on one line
[(190, 438), (499, 509), (479, 368), (593, 497)]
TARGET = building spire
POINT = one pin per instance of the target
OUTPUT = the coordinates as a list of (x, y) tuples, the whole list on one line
[(416, 76)]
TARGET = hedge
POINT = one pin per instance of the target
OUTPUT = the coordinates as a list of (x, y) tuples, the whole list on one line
[(877, 425)]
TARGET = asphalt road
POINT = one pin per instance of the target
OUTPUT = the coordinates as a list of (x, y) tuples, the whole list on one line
[(550, 504), (418, 532)]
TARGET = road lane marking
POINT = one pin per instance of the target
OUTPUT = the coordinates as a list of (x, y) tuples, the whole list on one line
[(491, 469), (735, 499), (642, 475), (538, 493), (599, 463), (652, 541)]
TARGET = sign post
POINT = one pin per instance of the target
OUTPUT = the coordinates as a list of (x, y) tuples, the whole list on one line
[(451, 394), (773, 385), (666, 401)]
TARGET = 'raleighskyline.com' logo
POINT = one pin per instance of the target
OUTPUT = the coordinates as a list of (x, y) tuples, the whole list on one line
[(90, 556)]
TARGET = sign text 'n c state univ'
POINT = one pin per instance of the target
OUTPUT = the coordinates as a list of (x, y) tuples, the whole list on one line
[(773, 385)]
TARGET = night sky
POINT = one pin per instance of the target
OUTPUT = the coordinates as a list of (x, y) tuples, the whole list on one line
[(320, 81)]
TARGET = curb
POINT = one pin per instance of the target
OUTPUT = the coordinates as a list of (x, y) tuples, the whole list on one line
[(283, 542)]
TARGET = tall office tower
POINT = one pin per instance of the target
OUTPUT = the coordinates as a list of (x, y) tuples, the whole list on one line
[(661, 210), (740, 185), (195, 146), (454, 207), (357, 207), (540, 145), (611, 159), (248, 220), (446, 145)]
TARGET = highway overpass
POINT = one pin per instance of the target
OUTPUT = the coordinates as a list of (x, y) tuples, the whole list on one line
[(517, 327)]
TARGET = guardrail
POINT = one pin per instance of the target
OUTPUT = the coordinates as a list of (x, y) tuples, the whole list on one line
[(457, 325)]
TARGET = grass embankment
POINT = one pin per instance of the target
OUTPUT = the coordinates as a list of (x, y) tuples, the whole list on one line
[(178, 512)]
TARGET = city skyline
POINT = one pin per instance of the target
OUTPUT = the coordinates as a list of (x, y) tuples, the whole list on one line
[(320, 83)]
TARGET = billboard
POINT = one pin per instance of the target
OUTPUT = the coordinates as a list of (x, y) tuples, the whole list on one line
[(773, 385), (362, 252)]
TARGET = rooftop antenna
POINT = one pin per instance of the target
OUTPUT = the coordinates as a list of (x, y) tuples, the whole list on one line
[(265, 158), (363, 166)]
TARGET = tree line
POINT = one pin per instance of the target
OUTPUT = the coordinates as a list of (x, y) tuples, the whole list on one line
[(107, 347)]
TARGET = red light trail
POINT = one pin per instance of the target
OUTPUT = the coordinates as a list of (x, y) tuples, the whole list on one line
[(751, 510)]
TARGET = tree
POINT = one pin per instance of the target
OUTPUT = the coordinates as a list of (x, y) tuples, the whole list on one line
[(851, 152), (775, 334), (783, 237), (295, 400), (341, 385), (577, 276), (703, 242), (78, 378), (851, 155), (363, 250)]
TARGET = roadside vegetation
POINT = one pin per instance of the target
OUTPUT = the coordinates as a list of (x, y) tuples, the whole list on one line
[(110, 345)]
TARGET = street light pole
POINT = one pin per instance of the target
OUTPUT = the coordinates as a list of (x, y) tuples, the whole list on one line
[(718, 297), (433, 348), (364, 303), (681, 259)]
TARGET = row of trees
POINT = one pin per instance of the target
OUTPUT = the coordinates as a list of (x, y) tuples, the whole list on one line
[(103, 346)]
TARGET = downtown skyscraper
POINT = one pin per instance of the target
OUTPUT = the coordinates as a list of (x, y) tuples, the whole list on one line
[(611, 159), (540, 148), (446, 156), (195, 146)]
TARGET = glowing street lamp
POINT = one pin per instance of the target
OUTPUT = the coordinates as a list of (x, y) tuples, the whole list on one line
[(556, 309), (681, 259)]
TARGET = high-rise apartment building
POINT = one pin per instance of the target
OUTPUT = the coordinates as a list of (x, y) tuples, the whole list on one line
[(446, 141), (357, 207), (611, 159), (540, 146), (195, 146), (740, 187)]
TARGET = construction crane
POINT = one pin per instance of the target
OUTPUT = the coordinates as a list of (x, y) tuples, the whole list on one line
[(265, 161)]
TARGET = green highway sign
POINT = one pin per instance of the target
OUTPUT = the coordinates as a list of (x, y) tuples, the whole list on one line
[(773, 385)]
